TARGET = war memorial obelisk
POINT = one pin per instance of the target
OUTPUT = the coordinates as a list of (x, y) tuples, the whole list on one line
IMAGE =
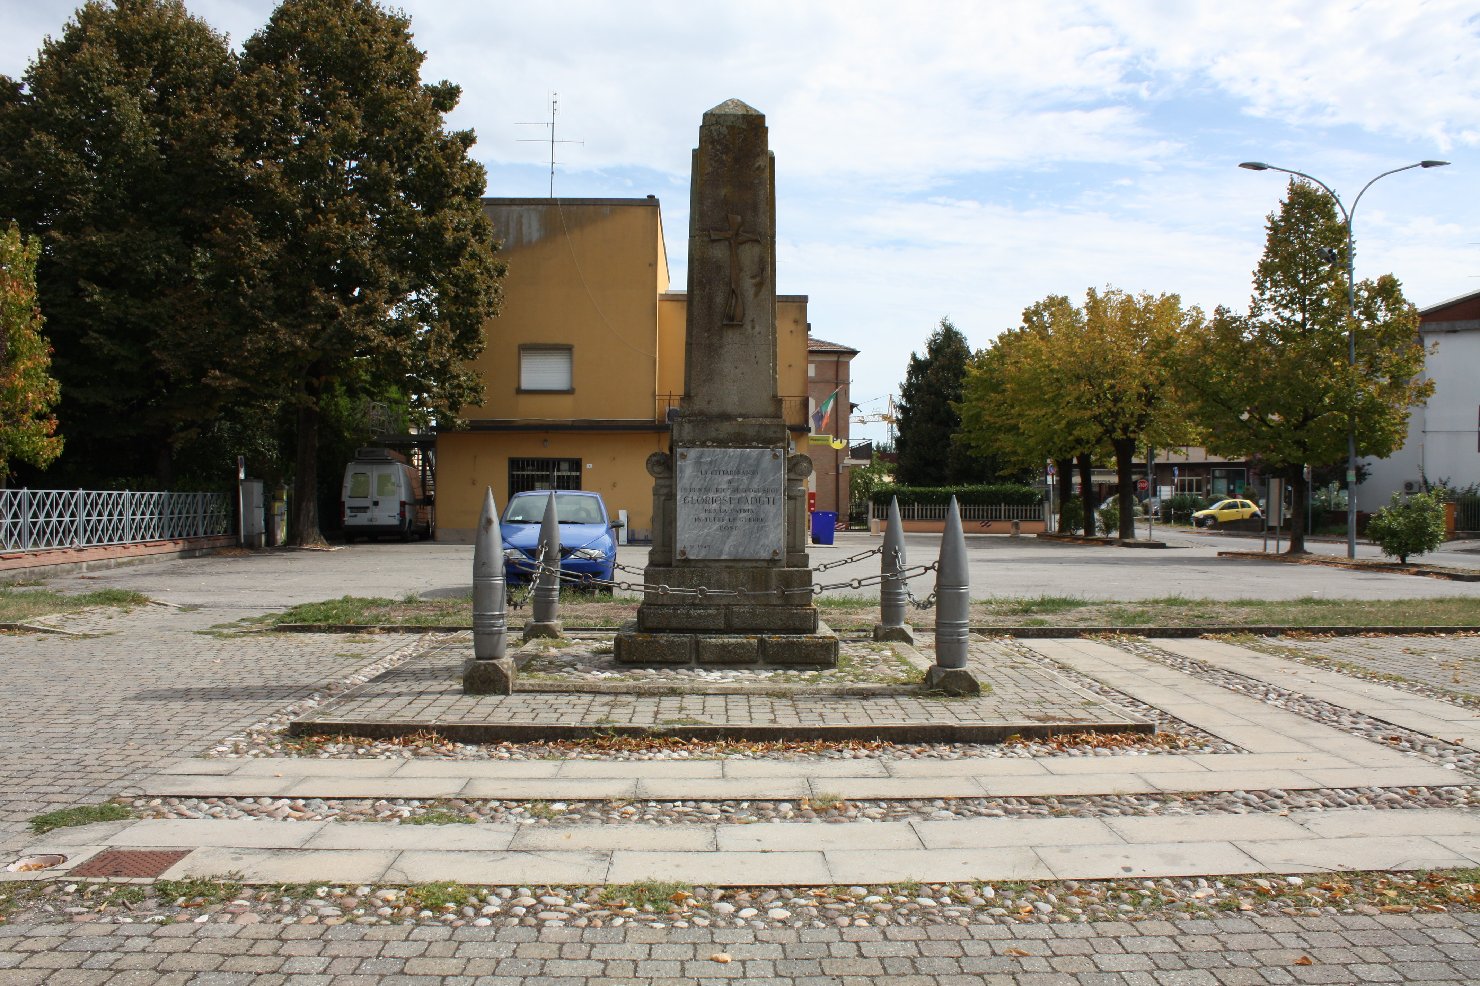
[(728, 580)]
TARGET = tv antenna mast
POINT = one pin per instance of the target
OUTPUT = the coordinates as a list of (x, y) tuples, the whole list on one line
[(552, 141)]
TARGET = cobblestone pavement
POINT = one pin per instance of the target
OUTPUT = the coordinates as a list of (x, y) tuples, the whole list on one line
[(427, 689), (87, 715), (1448, 663), (1231, 951)]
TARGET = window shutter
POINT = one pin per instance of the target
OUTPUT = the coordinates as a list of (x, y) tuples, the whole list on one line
[(544, 369)]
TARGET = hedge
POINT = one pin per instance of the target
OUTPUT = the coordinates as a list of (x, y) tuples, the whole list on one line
[(990, 494)]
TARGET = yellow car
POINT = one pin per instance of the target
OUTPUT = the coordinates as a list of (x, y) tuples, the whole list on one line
[(1224, 511)]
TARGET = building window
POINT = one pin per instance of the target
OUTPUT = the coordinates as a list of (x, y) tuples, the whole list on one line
[(545, 368), (544, 474), (811, 369)]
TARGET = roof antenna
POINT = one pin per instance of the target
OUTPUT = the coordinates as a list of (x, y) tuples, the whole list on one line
[(552, 141)]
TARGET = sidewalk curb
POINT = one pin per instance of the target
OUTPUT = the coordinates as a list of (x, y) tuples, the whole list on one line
[(1383, 568)]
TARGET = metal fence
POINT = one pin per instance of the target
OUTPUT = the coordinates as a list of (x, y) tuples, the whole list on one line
[(35, 520), (969, 512), (1467, 514)]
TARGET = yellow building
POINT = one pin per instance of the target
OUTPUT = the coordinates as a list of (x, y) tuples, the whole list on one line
[(584, 363)]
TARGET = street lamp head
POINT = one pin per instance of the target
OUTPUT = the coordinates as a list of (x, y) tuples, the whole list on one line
[(1432, 164), (1255, 166)]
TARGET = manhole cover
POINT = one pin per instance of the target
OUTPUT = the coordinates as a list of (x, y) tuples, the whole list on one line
[(130, 862)]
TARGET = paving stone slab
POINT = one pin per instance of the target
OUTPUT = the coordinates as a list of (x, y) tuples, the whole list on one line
[(284, 866), (792, 837), (727, 869), (640, 838), (935, 865), (1202, 828), (1147, 860), (1396, 822), (511, 868), (479, 836), (992, 833), (1357, 853)]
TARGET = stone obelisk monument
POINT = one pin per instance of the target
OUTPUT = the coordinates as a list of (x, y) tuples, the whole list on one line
[(729, 498)]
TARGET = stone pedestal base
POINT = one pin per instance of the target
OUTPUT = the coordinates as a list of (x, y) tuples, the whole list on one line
[(952, 681), (776, 600), (904, 633), (792, 650), (533, 631), (489, 677)]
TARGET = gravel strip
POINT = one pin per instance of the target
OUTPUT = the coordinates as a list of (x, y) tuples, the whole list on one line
[(1385, 733), (678, 906), (1165, 722), (822, 811), (1292, 648)]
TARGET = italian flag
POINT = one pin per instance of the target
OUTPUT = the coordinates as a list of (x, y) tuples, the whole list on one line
[(824, 412)]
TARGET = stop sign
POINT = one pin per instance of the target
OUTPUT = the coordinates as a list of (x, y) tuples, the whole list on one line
[(1141, 486)]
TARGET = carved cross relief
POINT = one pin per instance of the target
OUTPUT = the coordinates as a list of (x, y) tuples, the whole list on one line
[(734, 307)]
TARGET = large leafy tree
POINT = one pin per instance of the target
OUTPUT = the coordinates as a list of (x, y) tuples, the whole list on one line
[(118, 155), (1012, 403), (1075, 382), (27, 390), (1276, 383), (369, 262), (928, 418)]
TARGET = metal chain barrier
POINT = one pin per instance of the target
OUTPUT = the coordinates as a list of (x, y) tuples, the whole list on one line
[(815, 589)]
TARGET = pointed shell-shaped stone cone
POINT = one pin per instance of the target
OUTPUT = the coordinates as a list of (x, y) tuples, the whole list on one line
[(490, 589), (892, 588), (546, 596), (952, 595)]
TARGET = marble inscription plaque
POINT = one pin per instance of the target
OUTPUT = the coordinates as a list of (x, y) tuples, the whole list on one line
[(731, 503)]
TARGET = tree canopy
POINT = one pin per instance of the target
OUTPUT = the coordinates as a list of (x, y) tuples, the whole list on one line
[(1276, 383), (369, 257), (27, 390), (119, 158), (1074, 381), (929, 419)]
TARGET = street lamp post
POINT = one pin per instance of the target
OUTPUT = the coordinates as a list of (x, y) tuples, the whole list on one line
[(1351, 325)]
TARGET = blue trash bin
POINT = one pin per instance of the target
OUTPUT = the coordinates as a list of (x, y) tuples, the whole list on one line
[(824, 522)]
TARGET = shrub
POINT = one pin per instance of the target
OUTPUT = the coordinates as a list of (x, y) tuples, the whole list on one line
[(1412, 527), (1073, 512), (990, 494), (1183, 506), (1110, 521)]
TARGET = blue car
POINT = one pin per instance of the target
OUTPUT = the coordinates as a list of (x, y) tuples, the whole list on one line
[(588, 546)]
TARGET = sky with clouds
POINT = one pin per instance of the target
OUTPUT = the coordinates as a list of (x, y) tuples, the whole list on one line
[(965, 159)]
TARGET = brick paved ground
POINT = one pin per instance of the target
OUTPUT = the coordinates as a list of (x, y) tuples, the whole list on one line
[(1450, 663), (1232, 951), (84, 716), (428, 689)]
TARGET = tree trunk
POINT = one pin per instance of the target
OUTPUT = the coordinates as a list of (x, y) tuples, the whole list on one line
[(1125, 451), (1301, 488), (164, 466), (1087, 492), (306, 477), (1064, 470)]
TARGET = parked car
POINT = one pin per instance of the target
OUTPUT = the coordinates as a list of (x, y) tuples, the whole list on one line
[(588, 544), (1224, 511), (382, 495)]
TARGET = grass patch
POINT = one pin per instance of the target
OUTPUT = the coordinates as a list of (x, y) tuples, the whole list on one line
[(1185, 611), (438, 896), (656, 895), (437, 816), (18, 605), (542, 809), (79, 815), (197, 892)]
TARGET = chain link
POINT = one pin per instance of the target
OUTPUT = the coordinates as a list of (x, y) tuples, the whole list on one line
[(702, 592)]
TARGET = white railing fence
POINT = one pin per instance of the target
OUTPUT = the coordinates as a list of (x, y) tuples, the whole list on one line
[(969, 512), (35, 520)]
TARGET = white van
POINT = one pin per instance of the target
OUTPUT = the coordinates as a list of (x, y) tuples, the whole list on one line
[(382, 495)]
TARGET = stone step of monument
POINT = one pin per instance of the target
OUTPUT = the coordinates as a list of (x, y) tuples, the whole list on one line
[(773, 780), (790, 853)]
